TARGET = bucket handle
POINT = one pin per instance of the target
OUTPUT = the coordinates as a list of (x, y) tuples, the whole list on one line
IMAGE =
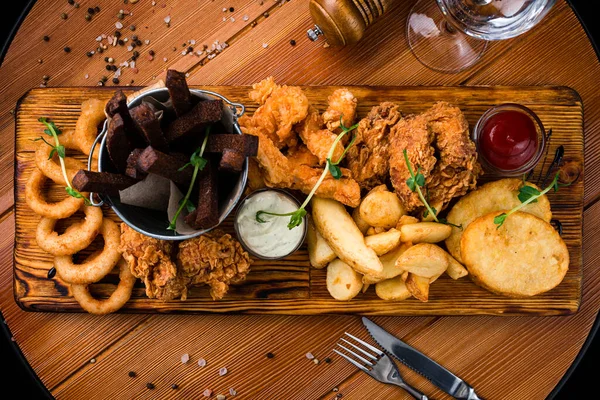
[(91, 160)]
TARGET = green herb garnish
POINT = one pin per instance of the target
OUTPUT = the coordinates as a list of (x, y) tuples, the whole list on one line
[(415, 183), (57, 148), (330, 166), (198, 162), (528, 195)]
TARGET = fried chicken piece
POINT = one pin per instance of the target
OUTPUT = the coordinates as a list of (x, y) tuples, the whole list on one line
[(255, 178), (281, 108), (214, 258), (368, 158), (281, 172), (413, 135), (457, 169), (318, 140), (150, 260), (301, 155), (341, 103)]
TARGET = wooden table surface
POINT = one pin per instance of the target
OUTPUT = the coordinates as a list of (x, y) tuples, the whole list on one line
[(503, 357)]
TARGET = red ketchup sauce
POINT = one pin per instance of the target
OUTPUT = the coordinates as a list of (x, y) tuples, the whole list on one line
[(508, 140)]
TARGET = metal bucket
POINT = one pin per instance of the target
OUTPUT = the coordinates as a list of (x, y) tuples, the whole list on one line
[(151, 222)]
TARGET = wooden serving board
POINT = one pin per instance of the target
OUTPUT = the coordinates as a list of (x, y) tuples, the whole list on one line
[(291, 286)]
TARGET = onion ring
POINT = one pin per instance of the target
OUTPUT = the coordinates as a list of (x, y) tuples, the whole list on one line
[(73, 240), (51, 167), (33, 196), (96, 268), (86, 128), (116, 300)]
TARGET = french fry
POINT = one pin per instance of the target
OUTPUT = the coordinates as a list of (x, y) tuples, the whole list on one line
[(389, 266), (360, 223), (424, 259), (425, 232), (383, 242), (374, 230), (455, 269), (418, 286), (392, 289), (343, 236), (319, 252), (381, 208), (343, 282)]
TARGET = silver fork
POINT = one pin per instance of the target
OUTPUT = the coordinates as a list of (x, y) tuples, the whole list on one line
[(378, 366)]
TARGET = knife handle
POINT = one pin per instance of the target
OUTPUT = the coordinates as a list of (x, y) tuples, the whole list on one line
[(411, 390)]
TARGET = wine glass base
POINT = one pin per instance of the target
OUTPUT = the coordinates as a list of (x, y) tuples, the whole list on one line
[(437, 44)]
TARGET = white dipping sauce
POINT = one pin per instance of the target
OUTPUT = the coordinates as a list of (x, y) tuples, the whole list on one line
[(272, 238)]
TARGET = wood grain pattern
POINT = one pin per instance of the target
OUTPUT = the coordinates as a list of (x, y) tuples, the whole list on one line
[(289, 286), (59, 346)]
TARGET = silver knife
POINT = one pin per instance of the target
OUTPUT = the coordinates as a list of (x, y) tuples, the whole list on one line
[(420, 363)]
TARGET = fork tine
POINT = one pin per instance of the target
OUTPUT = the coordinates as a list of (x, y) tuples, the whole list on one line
[(371, 356), (359, 366), (364, 360), (367, 345)]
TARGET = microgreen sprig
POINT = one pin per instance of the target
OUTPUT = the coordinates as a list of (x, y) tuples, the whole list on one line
[(198, 162), (57, 148), (528, 195), (330, 166), (415, 183)]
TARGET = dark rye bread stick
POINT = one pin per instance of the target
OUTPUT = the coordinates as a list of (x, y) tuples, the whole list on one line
[(245, 144), (132, 170), (193, 122), (152, 161), (117, 105), (101, 182), (206, 214), (232, 161), (149, 125), (179, 92), (117, 143)]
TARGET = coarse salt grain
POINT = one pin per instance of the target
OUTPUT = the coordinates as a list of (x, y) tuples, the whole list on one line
[(224, 19), (187, 75), (265, 45), (232, 19), (132, 64), (153, 3), (87, 76), (246, 18), (165, 59), (184, 52), (192, 42), (211, 56), (309, 356), (99, 39), (119, 25), (117, 73), (202, 362), (222, 371), (207, 393), (167, 19), (185, 358), (232, 391), (199, 52), (129, 48), (124, 64), (224, 9)]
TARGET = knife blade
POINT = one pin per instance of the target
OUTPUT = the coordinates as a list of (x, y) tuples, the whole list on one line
[(420, 363)]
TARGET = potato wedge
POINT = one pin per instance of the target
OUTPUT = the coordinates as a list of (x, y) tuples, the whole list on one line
[(392, 289), (404, 276), (423, 259), (360, 223), (493, 196), (524, 257), (343, 236), (319, 252), (418, 286), (343, 282), (389, 266), (425, 232), (381, 208), (374, 230), (383, 242), (365, 287), (455, 269), (405, 220)]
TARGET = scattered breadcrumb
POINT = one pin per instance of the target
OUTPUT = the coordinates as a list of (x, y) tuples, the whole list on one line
[(221, 397)]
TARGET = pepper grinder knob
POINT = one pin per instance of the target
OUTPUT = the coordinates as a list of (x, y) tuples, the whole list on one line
[(344, 22)]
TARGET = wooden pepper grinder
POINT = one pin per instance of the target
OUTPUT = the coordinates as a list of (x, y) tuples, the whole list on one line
[(344, 22)]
